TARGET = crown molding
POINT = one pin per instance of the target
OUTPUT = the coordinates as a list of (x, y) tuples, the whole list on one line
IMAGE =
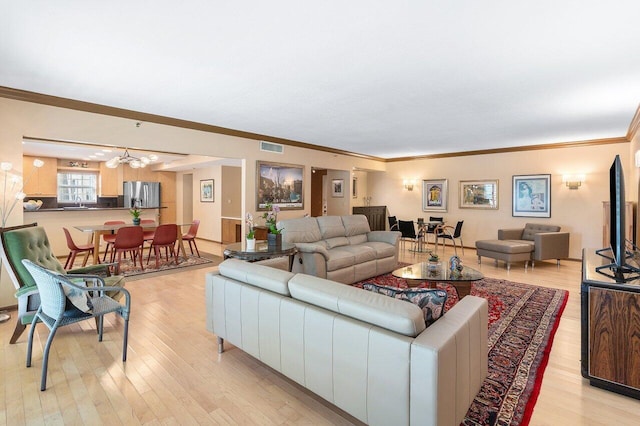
[(634, 126), (606, 141), (39, 98)]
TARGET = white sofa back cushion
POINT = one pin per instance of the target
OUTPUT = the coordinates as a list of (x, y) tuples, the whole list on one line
[(275, 280), (391, 314), (356, 224), (330, 227), (301, 230)]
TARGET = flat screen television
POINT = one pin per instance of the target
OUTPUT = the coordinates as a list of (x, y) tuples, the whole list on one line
[(617, 252)]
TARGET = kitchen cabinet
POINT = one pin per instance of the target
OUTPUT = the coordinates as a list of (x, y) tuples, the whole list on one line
[(43, 181), (109, 181)]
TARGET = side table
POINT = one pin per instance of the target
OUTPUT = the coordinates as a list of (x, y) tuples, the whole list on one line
[(260, 252)]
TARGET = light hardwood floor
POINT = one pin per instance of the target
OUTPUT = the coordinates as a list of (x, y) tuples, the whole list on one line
[(175, 376)]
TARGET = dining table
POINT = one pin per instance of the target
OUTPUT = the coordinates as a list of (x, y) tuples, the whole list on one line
[(98, 230)]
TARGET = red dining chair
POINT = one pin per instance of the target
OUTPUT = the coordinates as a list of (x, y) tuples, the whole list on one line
[(128, 239), (110, 238), (148, 234), (74, 249), (165, 236), (190, 236)]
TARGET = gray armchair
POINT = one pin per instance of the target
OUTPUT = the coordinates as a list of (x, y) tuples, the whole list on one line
[(548, 242)]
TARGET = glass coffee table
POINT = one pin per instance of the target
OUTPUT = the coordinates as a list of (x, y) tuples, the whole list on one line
[(426, 272), (261, 251)]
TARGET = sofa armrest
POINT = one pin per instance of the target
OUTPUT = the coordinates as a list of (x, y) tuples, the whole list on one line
[(449, 362), (510, 234), (390, 237), (313, 248), (551, 245)]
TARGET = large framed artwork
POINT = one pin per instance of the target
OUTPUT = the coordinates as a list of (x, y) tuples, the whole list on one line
[(206, 191), (532, 195), (280, 185), (434, 195), (479, 194)]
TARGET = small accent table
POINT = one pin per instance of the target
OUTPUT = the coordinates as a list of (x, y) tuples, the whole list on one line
[(423, 271), (262, 251)]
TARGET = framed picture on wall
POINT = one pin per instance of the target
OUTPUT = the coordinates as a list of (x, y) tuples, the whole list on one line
[(532, 196), (479, 194), (206, 191), (354, 187), (280, 184), (434, 195), (337, 187)]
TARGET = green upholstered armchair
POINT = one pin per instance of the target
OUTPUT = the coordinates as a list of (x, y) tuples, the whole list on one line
[(31, 242)]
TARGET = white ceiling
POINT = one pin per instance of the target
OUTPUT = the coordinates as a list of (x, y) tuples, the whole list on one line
[(383, 78)]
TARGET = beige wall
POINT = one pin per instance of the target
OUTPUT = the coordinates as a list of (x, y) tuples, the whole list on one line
[(577, 211), (231, 195), (23, 119)]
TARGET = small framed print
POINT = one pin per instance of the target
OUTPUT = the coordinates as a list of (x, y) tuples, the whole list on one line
[(532, 195), (434, 195), (479, 194), (206, 191), (337, 188)]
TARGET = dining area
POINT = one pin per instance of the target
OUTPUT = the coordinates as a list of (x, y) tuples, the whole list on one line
[(138, 244), (423, 233)]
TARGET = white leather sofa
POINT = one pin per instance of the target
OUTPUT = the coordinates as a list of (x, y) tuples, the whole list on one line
[(341, 248), (366, 353)]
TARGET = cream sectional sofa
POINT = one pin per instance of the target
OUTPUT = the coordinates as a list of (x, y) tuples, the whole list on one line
[(366, 353), (341, 248)]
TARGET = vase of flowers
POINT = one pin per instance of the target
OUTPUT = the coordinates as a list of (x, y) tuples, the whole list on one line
[(274, 235), (251, 235), (136, 212)]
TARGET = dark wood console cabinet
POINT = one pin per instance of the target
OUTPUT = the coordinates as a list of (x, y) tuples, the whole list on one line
[(376, 215), (610, 332)]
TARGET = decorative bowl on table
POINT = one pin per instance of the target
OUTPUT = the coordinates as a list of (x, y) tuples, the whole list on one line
[(32, 205)]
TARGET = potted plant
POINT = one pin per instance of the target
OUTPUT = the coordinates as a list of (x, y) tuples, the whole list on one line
[(135, 212), (274, 235), (251, 235), (433, 261)]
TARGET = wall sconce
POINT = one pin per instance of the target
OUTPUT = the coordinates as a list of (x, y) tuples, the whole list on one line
[(573, 181), (408, 185)]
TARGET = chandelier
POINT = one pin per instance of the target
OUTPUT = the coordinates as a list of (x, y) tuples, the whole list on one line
[(133, 162)]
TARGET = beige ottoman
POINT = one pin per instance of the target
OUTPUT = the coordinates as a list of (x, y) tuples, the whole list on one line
[(505, 250)]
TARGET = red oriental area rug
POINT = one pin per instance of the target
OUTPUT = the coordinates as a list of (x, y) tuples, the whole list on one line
[(523, 319)]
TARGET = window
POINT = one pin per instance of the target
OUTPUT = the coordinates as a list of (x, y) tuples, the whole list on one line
[(77, 187)]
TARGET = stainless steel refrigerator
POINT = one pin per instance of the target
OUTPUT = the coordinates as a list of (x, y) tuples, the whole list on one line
[(141, 194)]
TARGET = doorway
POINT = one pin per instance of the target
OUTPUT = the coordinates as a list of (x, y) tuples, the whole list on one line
[(317, 191)]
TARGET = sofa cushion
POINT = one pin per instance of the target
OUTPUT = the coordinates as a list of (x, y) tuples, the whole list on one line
[(78, 298), (361, 253), (357, 239), (431, 301), (330, 227), (530, 229), (261, 276), (376, 309), (336, 242), (355, 224), (340, 258), (382, 249), (300, 230)]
